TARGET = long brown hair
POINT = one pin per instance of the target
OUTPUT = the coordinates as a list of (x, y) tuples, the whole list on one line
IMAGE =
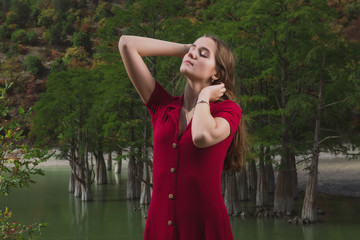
[(239, 147)]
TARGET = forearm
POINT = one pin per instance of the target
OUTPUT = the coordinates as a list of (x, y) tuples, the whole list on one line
[(203, 123), (152, 47)]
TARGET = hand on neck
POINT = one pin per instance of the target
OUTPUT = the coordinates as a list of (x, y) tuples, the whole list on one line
[(191, 93)]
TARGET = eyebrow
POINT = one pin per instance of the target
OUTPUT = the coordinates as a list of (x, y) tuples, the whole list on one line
[(202, 48)]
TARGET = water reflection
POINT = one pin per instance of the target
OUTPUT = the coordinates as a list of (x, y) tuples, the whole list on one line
[(308, 232), (111, 216), (79, 215)]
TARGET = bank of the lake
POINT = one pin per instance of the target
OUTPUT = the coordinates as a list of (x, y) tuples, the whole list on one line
[(111, 216)]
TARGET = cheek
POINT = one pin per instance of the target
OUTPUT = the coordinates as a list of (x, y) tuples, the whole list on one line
[(208, 67)]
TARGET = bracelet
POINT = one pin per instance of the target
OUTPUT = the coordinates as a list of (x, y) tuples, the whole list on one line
[(203, 101), (186, 49)]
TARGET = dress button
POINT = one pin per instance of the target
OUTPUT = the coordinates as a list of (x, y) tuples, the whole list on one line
[(172, 170), (171, 196), (170, 223), (174, 145)]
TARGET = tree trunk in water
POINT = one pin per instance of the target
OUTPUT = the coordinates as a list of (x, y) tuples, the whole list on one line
[(132, 192), (293, 168), (262, 191), (101, 173), (131, 183), (145, 195), (118, 164), (86, 186), (252, 178), (86, 193), (231, 195), (310, 200), (109, 162), (145, 186), (284, 189), (269, 172), (139, 176), (71, 183), (242, 185), (77, 189)]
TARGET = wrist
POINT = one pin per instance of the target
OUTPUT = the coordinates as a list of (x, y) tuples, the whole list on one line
[(204, 96), (186, 48)]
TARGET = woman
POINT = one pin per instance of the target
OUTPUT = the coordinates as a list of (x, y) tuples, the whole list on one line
[(191, 136)]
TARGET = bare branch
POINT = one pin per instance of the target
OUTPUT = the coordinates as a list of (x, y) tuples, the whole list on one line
[(331, 104), (326, 138)]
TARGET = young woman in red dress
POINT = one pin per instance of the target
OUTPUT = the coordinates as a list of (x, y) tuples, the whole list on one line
[(195, 136)]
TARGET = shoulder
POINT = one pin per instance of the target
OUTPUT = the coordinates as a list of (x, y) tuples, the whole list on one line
[(227, 106)]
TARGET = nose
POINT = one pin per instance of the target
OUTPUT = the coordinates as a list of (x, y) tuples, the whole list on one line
[(192, 53)]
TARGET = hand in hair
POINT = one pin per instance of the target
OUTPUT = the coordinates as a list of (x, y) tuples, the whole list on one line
[(212, 93)]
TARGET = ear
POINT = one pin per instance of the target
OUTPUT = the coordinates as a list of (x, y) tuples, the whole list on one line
[(215, 76)]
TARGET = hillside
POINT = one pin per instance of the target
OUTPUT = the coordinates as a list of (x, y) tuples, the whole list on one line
[(43, 36), (40, 37)]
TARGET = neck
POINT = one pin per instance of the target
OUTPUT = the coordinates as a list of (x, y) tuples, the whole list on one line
[(191, 94)]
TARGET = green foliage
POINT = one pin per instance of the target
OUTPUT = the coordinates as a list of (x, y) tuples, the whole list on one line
[(81, 39), (12, 18), (61, 5), (103, 10), (58, 66), (31, 37), (5, 32), (34, 65), (13, 51), (68, 24), (19, 36), (76, 57), (14, 230), (22, 10), (18, 163), (47, 17), (54, 34)]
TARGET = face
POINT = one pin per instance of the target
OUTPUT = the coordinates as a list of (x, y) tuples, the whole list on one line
[(199, 63)]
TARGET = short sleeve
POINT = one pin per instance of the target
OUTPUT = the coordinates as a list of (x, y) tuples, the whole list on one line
[(231, 112), (159, 98)]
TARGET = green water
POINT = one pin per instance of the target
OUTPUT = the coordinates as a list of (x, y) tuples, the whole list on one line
[(111, 216)]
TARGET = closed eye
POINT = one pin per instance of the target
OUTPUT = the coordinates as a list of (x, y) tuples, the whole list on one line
[(203, 53)]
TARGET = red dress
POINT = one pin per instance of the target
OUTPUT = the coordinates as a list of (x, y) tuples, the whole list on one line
[(186, 201)]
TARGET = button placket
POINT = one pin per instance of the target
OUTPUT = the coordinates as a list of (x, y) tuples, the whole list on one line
[(172, 187)]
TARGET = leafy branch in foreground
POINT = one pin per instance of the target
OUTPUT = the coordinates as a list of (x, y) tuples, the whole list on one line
[(18, 164)]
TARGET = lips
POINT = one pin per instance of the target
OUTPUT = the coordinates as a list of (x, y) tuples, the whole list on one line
[(187, 61)]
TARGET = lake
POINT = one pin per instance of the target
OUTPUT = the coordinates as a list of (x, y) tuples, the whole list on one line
[(111, 216)]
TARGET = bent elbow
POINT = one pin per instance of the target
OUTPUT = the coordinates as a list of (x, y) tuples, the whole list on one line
[(123, 42), (199, 140)]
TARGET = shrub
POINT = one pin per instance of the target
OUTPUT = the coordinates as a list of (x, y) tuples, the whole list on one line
[(13, 51), (34, 65), (31, 37), (5, 32), (46, 17), (103, 10), (54, 35), (68, 25), (19, 36), (76, 57), (58, 66), (81, 39), (11, 18)]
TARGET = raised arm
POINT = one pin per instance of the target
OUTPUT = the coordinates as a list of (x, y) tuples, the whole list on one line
[(133, 48)]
